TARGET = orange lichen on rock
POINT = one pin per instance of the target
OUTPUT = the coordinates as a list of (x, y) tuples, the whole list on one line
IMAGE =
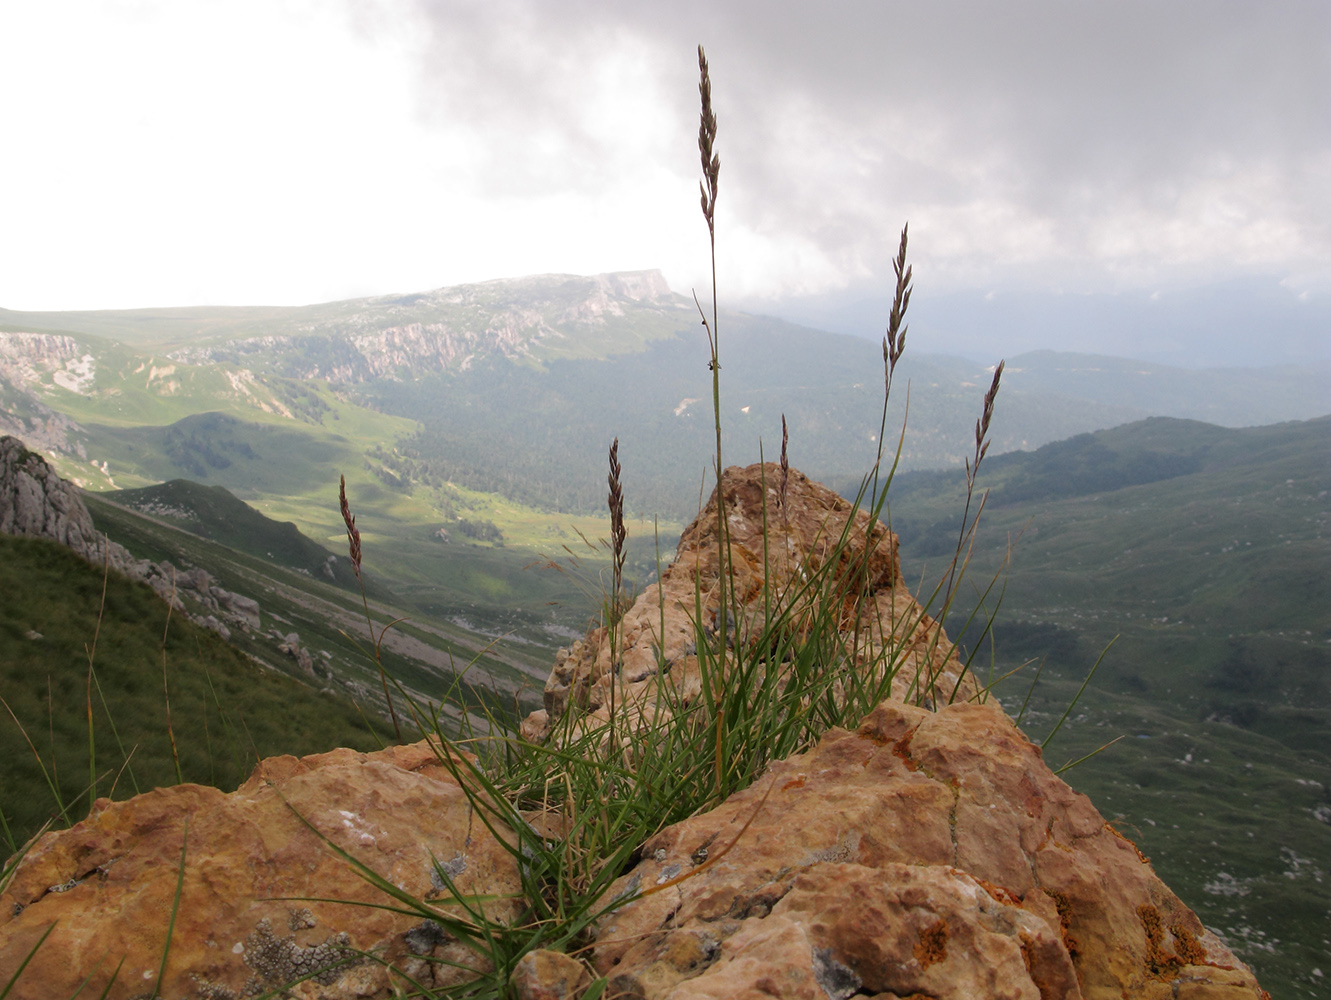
[(1160, 963), (932, 946), (1119, 834)]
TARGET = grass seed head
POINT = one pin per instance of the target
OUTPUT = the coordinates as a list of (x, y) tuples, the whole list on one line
[(711, 162), (618, 533), (895, 341), (785, 463), (353, 533)]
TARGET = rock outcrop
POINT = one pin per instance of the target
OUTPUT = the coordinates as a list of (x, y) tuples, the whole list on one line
[(779, 540), (926, 854), (402, 337), (265, 897), (36, 503)]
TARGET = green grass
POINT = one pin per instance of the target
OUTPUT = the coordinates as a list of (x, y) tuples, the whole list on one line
[(320, 611), (226, 711)]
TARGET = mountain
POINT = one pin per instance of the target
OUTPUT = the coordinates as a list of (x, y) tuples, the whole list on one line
[(1202, 544), (553, 315), (515, 388), (114, 614), (213, 512), (1228, 397)]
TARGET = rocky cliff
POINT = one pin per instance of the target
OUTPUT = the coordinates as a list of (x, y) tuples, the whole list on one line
[(405, 337), (926, 851)]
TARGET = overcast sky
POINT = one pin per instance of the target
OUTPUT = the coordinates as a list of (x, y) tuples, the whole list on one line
[(1056, 159)]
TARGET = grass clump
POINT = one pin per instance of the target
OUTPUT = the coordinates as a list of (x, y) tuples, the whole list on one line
[(784, 643), (777, 656)]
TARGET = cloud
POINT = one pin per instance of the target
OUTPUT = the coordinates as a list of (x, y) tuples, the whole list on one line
[(1103, 141), (299, 150)]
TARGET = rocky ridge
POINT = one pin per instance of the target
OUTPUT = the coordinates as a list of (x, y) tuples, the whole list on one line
[(780, 537), (403, 337), (929, 852), (36, 503)]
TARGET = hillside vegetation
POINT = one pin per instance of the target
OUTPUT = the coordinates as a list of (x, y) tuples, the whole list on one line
[(1202, 553), (226, 711)]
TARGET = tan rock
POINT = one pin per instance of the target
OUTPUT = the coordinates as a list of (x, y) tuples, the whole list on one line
[(549, 975), (777, 542), (930, 853), (250, 913)]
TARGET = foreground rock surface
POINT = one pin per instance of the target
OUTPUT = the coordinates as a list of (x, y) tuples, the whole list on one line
[(778, 538), (248, 918), (928, 854)]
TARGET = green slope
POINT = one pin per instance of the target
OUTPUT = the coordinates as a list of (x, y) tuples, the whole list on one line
[(225, 711), (1206, 552), (213, 512)]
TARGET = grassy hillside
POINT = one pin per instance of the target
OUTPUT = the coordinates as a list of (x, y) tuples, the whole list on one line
[(539, 436), (1206, 552), (213, 512), (426, 653), (226, 711)]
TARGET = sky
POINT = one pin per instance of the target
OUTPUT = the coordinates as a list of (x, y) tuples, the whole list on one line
[(1149, 178)]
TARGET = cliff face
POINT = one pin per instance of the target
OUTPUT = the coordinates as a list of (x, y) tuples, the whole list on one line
[(35, 502), (433, 332), (928, 852)]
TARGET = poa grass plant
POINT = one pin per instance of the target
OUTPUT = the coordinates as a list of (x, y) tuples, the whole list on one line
[(576, 809), (580, 804)]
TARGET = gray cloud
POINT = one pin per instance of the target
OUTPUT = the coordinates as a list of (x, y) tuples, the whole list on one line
[(1065, 142)]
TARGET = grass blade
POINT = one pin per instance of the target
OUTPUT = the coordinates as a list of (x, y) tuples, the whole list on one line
[(1072, 704)]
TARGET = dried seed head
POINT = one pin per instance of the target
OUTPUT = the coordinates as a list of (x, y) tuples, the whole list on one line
[(353, 534), (711, 162), (618, 532), (989, 397), (785, 463), (895, 341), (982, 425)]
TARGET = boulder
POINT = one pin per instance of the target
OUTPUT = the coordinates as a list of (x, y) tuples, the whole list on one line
[(253, 908), (35, 502), (244, 609), (928, 853)]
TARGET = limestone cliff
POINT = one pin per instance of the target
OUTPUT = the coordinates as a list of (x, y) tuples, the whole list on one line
[(407, 337)]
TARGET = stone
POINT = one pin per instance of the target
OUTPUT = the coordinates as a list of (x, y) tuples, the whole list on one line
[(776, 541), (244, 609), (549, 975), (928, 853), (251, 914), (36, 503)]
